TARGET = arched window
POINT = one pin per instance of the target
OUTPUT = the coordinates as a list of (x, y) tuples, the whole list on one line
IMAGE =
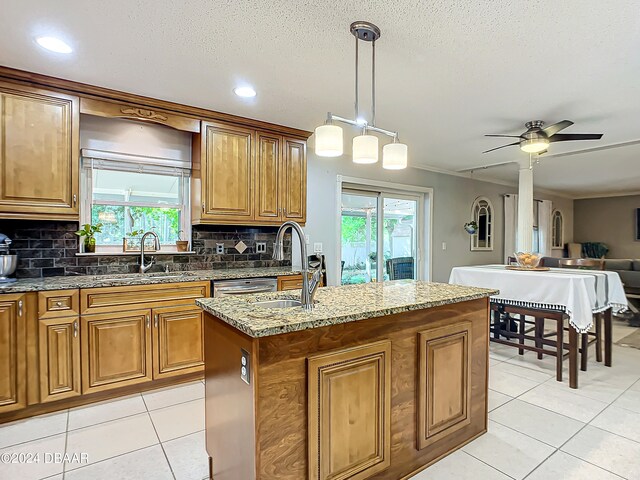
[(557, 230), (482, 214)]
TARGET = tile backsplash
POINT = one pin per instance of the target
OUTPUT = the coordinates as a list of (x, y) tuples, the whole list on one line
[(46, 248)]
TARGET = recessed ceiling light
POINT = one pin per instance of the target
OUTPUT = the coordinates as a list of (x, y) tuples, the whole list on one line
[(54, 44), (244, 92)]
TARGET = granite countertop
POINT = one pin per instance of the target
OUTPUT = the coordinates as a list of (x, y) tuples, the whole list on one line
[(334, 305), (93, 281)]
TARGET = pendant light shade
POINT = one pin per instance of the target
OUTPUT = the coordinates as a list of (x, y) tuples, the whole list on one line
[(394, 156), (329, 141), (365, 149)]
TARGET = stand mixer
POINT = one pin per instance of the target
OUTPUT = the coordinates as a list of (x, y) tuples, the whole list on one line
[(8, 262)]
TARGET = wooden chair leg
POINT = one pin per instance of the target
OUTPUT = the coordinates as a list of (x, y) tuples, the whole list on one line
[(598, 320), (496, 324), (539, 331), (573, 357), (583, 351), (607, 338), (559, 348), (521, 335)]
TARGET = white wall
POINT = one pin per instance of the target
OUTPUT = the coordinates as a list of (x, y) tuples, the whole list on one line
[(452, 200)]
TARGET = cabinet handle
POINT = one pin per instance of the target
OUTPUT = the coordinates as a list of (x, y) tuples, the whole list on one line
[(20, 308), (75, 199), (202, 207), (285, 211), (75, 328), (155, 320), (148, 321), (58, 303)]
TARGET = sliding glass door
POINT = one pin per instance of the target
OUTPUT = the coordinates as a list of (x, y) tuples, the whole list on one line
[(379, 236)]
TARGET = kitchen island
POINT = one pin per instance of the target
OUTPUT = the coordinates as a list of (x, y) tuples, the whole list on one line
[(378, 381)]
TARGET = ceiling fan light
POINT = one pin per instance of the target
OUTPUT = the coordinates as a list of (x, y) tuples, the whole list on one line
[(365, 149), (329, 142), (394, 156), (534, 145)]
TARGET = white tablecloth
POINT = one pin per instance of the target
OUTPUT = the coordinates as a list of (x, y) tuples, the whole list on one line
[(578, 293)]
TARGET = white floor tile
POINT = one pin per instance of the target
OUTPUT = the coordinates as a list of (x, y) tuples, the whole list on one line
[(590, 388), (548, 427), (173, 395), (496, 399), (606, 450), (148, 463), (110, 439), (529, 360), (563, 466), (629, 400), (510, 384), (564, 402), (37, 449), (32, 428), (511, 452), (521, 371), (179, 420), (105, 411), (460, 466), (620, 421), (188, 457)]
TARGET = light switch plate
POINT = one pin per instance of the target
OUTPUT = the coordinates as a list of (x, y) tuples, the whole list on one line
[(245, 366), (219, 248), (317, 247), (444, 245), (261, 247)]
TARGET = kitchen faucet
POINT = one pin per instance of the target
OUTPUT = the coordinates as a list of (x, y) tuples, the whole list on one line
[(143, 268), (309, 287)]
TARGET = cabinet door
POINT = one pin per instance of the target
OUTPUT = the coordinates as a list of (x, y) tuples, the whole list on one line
[(294, 180), (349, 395), (13, 387), (227, 173), (444, 371), (59, 352), (116, 350), (178, 341), (267, 178), (39, 147)]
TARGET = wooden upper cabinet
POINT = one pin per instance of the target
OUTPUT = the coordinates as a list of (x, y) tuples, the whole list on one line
[(225, 173), (13, 386), (39, 148), (267, 179), (293, 192)]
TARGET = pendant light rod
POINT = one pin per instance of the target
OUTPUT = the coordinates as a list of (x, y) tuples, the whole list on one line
[(357, 103), (373, 82), (331, 117)]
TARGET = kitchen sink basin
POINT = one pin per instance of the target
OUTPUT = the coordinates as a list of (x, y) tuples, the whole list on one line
[(278, 303)]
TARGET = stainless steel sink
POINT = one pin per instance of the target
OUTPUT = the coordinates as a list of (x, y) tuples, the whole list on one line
[(278, 303)]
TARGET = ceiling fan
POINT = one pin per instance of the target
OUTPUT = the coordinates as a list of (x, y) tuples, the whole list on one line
[(538, 137)]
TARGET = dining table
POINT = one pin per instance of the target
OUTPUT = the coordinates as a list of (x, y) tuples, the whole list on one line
[(575, 295)]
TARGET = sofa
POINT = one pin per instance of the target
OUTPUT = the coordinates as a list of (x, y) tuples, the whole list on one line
[(628, 269)]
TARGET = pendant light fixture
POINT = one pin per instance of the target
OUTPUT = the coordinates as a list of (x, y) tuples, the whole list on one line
[(329, 137)]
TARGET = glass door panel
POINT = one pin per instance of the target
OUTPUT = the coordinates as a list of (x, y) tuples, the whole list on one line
[(359, 237), (399, 237)]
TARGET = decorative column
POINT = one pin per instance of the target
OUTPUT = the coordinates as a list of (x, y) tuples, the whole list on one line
[(524, 234)]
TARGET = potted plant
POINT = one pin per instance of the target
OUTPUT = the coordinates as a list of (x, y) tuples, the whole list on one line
[(132, 242), (181, 244), (471, 227), (88, 232)]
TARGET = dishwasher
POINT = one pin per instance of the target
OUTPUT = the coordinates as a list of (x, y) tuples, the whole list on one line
[(244, 286)]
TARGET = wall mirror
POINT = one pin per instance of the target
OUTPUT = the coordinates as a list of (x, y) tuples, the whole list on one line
[(557, 224), (482, 214)]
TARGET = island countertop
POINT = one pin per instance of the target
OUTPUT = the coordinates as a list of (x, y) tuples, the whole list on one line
[(334, 305)]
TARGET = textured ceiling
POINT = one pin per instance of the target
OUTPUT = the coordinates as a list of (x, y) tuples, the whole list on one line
[(448, 71)]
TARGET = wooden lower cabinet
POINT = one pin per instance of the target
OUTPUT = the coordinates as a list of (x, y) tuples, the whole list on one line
[(350, 412), (178, 341), (290, 282), (116, 350), (59, 354), (13, 386)]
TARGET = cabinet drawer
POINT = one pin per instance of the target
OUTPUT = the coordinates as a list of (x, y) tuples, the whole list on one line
[(292, 282), (126, 298), (58, 303)]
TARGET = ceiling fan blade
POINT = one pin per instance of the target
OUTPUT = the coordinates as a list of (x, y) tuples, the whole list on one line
[(507, 136), (556, 127), (498, 148), (564, 137)]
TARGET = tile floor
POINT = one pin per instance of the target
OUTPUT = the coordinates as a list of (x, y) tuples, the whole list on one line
[(538, 429)]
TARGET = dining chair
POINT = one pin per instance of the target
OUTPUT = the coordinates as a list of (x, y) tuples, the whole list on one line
[(400, 267)]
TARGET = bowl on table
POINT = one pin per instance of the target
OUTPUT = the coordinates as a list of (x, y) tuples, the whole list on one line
[(528, 260)]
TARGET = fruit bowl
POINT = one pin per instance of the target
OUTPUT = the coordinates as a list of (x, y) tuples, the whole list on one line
[(528, 260)]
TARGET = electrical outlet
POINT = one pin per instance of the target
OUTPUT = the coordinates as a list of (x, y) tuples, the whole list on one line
[(317, 247), (261, 247), (444, 245), (220, 248), (245, 366)]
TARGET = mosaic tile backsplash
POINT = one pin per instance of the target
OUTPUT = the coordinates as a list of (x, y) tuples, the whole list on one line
[(47, 248)]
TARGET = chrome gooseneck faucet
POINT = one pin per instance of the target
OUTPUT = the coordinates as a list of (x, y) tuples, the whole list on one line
[(143, 268), (309, 286)]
